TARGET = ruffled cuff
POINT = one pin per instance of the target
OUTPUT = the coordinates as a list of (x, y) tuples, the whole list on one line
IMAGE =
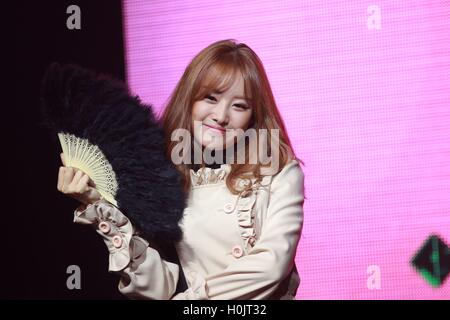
[(117, 232)]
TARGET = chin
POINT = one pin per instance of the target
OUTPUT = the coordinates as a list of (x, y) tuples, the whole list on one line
[(213, 146)]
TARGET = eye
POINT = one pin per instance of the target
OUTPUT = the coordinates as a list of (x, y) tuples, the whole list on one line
[(241, 106), (210, 97)]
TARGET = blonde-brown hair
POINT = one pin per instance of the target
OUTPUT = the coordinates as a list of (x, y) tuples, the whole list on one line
[(214, 69)]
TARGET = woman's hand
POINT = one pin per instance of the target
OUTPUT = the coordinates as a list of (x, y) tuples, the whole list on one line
[(76, 184)]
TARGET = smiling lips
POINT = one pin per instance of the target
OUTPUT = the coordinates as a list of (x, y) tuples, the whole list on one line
[(217, 129)]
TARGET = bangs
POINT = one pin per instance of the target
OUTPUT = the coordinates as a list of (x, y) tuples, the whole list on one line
[(218, 78)]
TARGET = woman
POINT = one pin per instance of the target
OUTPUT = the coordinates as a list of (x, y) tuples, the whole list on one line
[(243, 219)]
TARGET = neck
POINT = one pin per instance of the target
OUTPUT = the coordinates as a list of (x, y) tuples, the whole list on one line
[(212, 161)]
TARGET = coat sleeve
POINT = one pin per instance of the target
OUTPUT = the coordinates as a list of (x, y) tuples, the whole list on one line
[(258, 274), (144, 273)]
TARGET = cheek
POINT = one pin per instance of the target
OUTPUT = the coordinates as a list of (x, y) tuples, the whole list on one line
[(197, 111), (200, 110), (241, 120)]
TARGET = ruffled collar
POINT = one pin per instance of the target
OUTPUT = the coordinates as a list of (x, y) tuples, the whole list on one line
[(216, 173), (209, 175)]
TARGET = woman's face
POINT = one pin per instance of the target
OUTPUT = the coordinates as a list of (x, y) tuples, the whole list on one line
[(218, 115)]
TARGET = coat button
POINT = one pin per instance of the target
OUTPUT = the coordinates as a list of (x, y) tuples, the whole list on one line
[(117, 241), (244, 183), (228, 208), (104, 227), (237, 251)]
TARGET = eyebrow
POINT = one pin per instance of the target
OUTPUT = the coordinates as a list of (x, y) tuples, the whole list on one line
[(236, 97)]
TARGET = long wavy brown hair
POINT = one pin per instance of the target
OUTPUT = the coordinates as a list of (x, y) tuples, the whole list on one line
[(214, 70)]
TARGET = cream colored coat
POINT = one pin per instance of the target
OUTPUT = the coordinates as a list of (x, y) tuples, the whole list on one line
[(233, 247)]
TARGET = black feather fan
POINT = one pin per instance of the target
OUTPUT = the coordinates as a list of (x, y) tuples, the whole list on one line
[(100, 110)]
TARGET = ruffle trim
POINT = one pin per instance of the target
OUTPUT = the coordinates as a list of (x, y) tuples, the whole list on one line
[(245, 213), (206, 175), (245, 208), (245, 201), (132, 246)]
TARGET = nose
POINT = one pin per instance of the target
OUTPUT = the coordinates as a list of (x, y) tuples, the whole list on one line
[(221, 114)]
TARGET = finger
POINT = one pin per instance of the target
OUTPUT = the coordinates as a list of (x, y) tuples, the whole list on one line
[(60, 178), (67, 179), (63, 178), (82, 185), (62, 159), (91, 183), (76, 178)]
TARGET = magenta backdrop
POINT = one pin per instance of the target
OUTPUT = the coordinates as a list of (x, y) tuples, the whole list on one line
[(364, 89)]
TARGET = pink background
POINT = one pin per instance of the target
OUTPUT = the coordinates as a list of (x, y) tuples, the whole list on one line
[(368, 110)]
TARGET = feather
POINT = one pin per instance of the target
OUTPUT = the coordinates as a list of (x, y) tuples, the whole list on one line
[(98, 108)]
